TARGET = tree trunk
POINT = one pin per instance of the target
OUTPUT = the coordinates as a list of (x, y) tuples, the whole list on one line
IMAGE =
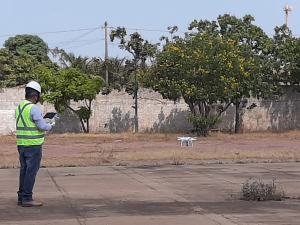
[(81, 121), (88, 125), (88, 120), (192, 107), (82, 125), (237, 118), (136, 85), (136, 119)]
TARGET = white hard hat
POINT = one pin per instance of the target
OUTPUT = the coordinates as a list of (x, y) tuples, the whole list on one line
[(34, 85)]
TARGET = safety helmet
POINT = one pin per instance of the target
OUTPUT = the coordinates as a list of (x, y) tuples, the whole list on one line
[(35, 86)]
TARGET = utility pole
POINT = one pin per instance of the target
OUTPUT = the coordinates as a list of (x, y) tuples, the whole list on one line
[(287, 10), (106, 53)]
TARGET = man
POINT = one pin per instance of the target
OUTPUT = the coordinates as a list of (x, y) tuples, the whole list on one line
[(30, 136)]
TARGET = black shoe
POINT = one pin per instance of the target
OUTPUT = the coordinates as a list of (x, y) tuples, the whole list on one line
[(19, 203)]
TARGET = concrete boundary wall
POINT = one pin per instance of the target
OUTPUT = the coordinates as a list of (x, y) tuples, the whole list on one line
[(114, 113)]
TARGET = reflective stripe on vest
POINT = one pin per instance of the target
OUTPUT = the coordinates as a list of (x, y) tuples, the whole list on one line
[(27, 131)]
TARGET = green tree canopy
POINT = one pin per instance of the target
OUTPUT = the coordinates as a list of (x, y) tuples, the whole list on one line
[(21, 56), (71, 84), (70, 60), (16, 70), (119, 71), (203, 70), (221, 63), (286, 53), (31, 44), (254, 45)]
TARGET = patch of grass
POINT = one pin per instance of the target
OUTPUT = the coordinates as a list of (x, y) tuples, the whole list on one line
[(104, 149), (107, 155), (69, 138), (253, 190), (294, 134), (65, 139), (217, 154), (9, 162), (7, 139)]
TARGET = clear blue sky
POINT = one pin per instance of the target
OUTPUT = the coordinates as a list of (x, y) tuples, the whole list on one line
[(38, 16)]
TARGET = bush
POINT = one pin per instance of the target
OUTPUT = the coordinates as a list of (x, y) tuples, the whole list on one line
[(261, 191), (202, 124)]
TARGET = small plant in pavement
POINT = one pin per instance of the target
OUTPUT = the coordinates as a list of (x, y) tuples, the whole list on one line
[(253, 190)]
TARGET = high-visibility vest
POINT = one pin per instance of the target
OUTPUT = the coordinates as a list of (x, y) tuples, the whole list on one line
[(27, 132)]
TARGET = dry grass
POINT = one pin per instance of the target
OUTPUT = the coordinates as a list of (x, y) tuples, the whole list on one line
[(176, 156), (208, 155), (108, 155), (7, 139), (66, 139), (69, 138), (258, 135)]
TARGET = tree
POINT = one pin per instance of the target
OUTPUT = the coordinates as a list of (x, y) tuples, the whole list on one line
[(118, 71), (70, 60), (207, 68), (286, 53), (71, 84), (141, 50), (119, 75), (16, 70), (30, 44), (199, 68), (22, 54), (256, 47)]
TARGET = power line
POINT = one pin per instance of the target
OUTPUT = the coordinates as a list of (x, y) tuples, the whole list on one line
[(76, 38), (85, 40), (77, 30), (52, 32), (92, 42), (97, 28), (150, 30)]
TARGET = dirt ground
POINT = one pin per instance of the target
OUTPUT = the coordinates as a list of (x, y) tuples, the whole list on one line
[(97, 149)]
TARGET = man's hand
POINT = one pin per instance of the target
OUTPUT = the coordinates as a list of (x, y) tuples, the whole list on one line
[(52, 123)]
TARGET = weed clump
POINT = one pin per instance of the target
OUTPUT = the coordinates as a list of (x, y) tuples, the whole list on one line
[(253, 190)]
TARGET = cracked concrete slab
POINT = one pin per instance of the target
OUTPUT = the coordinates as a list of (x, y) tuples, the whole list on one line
[(199, 194)]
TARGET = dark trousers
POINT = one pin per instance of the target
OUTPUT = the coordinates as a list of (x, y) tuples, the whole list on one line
[(30, 159)]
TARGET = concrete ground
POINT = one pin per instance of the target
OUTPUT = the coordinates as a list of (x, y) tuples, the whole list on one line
[(165, 195)]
